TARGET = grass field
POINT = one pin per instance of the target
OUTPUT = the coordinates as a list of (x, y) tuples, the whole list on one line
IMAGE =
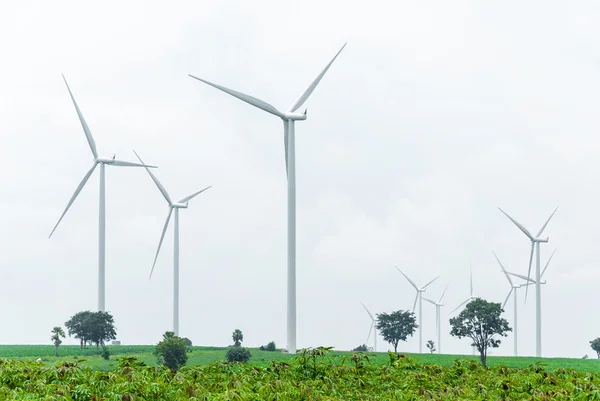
[(201, 356)]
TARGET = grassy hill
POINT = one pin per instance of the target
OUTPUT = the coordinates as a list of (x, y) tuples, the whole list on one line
[(201, 356)]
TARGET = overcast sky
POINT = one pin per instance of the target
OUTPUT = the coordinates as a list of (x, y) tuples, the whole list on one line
[(435, 114)]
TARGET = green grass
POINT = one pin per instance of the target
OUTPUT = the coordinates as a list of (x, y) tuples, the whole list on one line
[(202, 356)]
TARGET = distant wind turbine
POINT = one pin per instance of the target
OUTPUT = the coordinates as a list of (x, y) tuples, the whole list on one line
[(289, 118), (438, 305), (535, 245), (471, 298), (513, 290), (102, 161), (532, 281), (373, 326), (180, 204), (420, 291)]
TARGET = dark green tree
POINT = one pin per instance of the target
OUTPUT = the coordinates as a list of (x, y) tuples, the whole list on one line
[(238, 337), (238, 354), (431, 346), (595, 344), (361, 348), (481, 321), (57, 333), (396, 326), (171, 351), (101, 326), (78, 327)]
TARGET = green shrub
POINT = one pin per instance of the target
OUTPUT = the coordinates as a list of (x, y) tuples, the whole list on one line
[(106, 354), (361, 348), (238, 354), (269, 347)]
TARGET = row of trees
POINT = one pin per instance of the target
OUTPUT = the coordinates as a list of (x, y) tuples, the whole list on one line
[(89, 328), (480, 321)]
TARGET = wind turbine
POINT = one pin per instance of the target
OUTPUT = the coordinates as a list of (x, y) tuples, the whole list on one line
[(373, 326), (180, 204), (419, 297), (513, 289), (471, 297), (530, 280), (535, 244), (438, 305), (102, 161), (289, 118)]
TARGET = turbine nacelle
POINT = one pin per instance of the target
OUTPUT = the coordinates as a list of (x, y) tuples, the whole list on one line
[(542, 239), (178, 205), (105, 160), (294, 116)]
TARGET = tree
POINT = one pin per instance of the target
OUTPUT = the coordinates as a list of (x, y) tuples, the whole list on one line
[(57, 333), (238, 354), (188, 342), (481, 322), (171, 351), (431, 346), (238, 337), (396, 326), (361, 348), (78, 327), (595, 344), (92, 327), (101, 326)]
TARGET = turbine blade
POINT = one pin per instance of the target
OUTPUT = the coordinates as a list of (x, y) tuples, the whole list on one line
[(527, 279), (245, 98), (162, 237), (425, 286), (192, 196), (409, 280), (86, 129), (370, 330), (444, 292), (122, 163), (314, 84), (546, 223), (525, 231), (503, 269), (529, 269), (547, 263), (429, 300), (462, 303), (158, 184), (286, 130), (372, 318), (77, 191), (415, 304), (508, 296)]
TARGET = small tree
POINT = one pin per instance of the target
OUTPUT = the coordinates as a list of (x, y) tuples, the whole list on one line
[(57, 333), (188, 342), (269, 347), (238, 354), (78, 327), (481, 322), (361, 348), (171, 351), (238, 337), (595, 344), (101, 328), (431, 346), (396, 326)]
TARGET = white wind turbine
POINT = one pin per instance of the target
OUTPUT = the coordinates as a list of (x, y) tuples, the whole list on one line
[(529, 279), (180, 204), (513, 289), (419, 297), (438, 325), (373, 326), (471, 297), (535, 245), (289, 118), (102, 161)]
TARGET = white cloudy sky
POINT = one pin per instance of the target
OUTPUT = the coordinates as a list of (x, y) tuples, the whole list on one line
[(434, 114)]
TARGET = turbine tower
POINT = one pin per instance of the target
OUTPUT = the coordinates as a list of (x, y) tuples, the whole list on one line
[(289, 118), (438, 325), (173, 206), (102, 161), (419, 297), (373, 326), (513, 289), (535, 245)]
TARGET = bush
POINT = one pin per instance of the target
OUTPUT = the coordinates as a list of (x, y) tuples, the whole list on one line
[(106, 354), (269, 347), (238, 354), (171, 351), (188, 342), (361, 348)]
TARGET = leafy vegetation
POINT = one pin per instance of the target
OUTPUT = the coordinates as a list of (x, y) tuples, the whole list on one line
[(481, 322), (396, 326), (171, 351), (238, 354), (92, 328), (315, 374), (595, 344), (269, 347), (361, 348)]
